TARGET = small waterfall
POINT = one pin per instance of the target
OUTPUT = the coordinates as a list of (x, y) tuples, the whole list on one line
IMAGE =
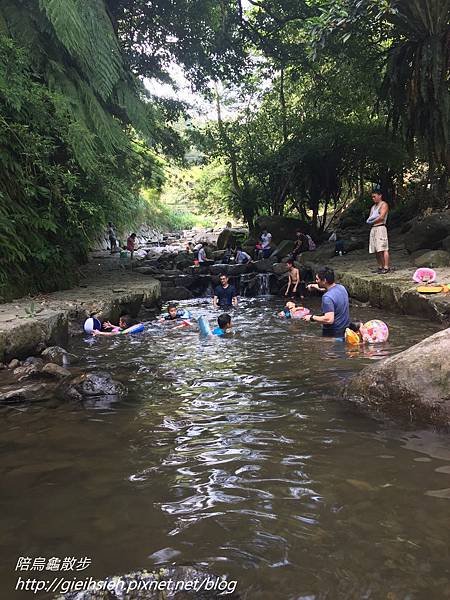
[(209, 291), (254, 284), (264, 284), (247, 284)]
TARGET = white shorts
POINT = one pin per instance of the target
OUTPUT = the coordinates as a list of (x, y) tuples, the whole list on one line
[(378, 241)]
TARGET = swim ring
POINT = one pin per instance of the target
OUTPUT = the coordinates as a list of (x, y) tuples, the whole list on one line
[(136, 328), (90, 324), (374, 332), (424, 275), (300, 313), (351, 337)]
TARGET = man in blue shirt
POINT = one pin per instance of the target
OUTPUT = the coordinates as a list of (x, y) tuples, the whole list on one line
[(335, 304), (225, 295)]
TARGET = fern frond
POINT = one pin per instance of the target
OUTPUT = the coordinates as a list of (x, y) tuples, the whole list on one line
[(84, 29)]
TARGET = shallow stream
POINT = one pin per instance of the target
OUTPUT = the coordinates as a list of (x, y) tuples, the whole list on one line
[(235, 455)]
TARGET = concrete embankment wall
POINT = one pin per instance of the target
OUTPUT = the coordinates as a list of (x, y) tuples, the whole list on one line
[(29, 325)]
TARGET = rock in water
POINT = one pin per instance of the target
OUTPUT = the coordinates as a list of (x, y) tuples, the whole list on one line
[(55, 354), (97, 384), (34, 360), (55, 370), (28, 392), (171, 583), (25, 372), (412, 386)]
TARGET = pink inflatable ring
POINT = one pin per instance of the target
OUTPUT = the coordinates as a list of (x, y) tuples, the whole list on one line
[(424, 275)]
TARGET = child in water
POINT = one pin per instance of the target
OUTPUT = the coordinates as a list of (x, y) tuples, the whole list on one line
[(176, 314), (372, 332), (224, 325), (291, 311), (125, 324)]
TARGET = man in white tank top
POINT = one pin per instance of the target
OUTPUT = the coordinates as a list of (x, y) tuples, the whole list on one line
[(378, 240)]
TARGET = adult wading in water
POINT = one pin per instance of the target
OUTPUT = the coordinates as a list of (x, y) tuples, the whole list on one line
[(335, 305), (378, 240)]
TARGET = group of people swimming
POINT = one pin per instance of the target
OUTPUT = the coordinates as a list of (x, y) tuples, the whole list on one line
[(334, 317)]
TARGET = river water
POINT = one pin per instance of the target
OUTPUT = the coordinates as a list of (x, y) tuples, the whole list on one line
[(235, 455)]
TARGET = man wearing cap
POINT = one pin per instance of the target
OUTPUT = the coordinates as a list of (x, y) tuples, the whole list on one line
[(378, 240)]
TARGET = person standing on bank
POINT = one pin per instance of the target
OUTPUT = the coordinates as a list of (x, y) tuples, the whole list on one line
[(112, 238), (335, 305), (225, 295), (378, 240), (131, 245)]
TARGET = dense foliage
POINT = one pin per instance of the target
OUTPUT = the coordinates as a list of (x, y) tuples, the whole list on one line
[(80, 136), (343, 94)]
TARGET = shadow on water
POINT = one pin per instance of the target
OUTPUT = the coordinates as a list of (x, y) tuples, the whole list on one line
[(232, 454)]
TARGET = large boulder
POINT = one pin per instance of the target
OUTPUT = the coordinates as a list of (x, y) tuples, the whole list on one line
[(429, 232), (265, 265), (96, 384), (284, 248), (225, 237), (281, 228), (446, 244), (411, 386), (280, 268), (433, 259), (321, 256)]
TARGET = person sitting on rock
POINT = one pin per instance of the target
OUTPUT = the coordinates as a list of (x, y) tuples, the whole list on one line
[(301, 244), (242, 258), (176, 314), (202, 258), (265, 250), (126, 325), (224, 325), (226, 258)]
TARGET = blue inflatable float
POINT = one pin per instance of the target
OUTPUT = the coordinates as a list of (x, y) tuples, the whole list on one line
[(136, 328), (203, 325)]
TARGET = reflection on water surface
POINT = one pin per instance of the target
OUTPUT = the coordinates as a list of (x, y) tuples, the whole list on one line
[(233, 454)]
